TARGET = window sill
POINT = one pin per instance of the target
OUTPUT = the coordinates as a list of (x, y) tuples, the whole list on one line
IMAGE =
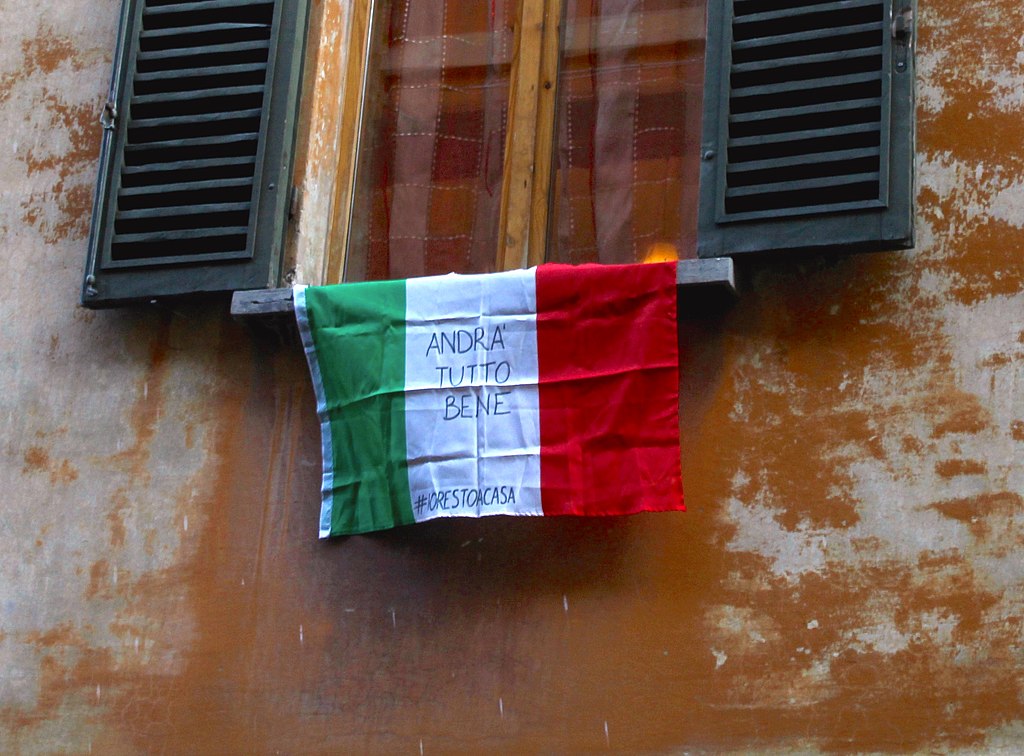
[(713, 275)]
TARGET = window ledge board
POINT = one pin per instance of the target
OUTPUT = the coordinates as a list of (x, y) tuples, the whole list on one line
[(710, 273)]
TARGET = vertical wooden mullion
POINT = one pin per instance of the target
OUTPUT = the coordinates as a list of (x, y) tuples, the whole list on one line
[(530, 141), (547, 113)]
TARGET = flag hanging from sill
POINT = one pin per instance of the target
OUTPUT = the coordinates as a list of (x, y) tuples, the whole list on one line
[(549, 391)]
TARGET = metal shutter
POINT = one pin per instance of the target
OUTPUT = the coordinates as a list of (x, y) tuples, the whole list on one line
[(808, 127), (196, 157)]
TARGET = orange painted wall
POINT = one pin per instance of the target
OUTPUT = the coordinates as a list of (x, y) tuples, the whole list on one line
[(847, 579)]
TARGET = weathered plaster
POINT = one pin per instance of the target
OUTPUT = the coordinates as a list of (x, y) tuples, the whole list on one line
[(102, 414), (847, 578)]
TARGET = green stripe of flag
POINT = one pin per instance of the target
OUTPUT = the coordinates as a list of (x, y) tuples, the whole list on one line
[(364, 383)]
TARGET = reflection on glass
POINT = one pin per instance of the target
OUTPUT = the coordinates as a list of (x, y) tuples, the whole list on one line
[(627, 154), (429, 174)]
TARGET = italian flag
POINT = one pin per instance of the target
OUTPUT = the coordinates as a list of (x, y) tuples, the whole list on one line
[(549, 391)]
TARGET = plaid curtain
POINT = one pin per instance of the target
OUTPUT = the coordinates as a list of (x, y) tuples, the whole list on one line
[(435, 179), (629, 130)]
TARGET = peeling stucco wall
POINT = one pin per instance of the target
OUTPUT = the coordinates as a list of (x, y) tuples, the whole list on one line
[(847, 578)]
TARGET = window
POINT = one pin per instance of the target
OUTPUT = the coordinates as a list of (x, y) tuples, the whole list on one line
[(499, 134)]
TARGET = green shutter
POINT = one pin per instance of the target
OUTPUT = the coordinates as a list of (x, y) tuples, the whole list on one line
[(196, 158), (808, 126)]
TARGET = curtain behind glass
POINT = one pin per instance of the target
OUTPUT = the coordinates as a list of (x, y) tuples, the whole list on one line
[(627, 158), (428, 193)]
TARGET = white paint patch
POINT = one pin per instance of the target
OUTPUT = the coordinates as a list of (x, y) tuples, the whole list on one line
[(1003, 570), (980, 331), (792, 554), (939, 627), (931, 95), (883, 638), (1008, 204), (819, 672), (720, 658)]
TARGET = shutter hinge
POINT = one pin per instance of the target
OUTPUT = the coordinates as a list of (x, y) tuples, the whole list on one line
[(108, 118), (902, 33), (294, 203)]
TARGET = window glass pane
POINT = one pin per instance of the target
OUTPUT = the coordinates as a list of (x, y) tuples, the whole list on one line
[(429, 174), (628, 138)]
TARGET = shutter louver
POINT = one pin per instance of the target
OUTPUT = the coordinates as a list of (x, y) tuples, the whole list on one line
[(197, 167), (805, 112)]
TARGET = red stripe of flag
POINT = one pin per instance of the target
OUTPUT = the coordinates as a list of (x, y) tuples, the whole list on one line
[(608, 361)]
